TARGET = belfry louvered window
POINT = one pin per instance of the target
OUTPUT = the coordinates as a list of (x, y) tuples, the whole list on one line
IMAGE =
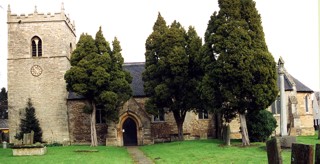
[(36, 47)]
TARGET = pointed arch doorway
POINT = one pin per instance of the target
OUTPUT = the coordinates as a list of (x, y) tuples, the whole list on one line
[(129, 130)]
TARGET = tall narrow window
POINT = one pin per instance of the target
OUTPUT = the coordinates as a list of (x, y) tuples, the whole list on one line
[(203, 114), (70, 48), (36, 47), (159, 116), (306, 103), (100, 116), (39, 47)]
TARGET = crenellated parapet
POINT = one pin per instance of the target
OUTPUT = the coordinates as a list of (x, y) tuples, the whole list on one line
[(41, 17)]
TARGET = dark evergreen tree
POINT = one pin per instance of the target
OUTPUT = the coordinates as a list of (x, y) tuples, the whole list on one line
[(94, 76), (3, 104), (30, 123), (240, 72), (171, 70)]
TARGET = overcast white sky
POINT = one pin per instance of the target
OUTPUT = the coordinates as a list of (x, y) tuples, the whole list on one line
[(290, 26)]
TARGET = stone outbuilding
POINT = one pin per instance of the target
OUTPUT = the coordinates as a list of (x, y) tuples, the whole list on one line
[(299, 107), (4, 130)]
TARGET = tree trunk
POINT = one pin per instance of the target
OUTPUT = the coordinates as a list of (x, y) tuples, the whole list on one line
[(218, 126), (226, 132), (94, 140), (244, 130), (180, 131), (179, 118)]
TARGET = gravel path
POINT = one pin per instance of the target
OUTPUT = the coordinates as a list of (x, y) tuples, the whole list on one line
[(138, 156)]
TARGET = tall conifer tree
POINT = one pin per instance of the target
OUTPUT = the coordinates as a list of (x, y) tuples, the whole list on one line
[(170, 75), (94, 76), (30, 123), (240, 70)]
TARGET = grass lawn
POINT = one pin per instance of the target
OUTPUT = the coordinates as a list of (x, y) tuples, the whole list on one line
[(195, 152), (69, 155), (213, 151)]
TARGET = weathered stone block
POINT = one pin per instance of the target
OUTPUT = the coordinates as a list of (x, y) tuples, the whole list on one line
[(317, 158), (301, 153), (29, 151), (274, 151), (287, 141)]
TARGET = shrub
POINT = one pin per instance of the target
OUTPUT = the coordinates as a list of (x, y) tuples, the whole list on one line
[(260, 124)]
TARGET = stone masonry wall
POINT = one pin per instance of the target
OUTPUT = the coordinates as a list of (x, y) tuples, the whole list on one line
[(48, 90), (79, 124), (198, 128), (306, 118)]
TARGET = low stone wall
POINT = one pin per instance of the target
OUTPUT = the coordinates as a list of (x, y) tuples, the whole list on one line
[(29, 151)]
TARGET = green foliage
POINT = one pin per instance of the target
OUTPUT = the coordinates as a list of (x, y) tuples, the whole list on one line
[(97, 73), (261, 124), (240, 73), (3, 103), (30, 123), (171, 69)]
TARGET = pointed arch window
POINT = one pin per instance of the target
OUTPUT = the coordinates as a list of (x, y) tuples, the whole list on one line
[(36, 46), (306, 102)]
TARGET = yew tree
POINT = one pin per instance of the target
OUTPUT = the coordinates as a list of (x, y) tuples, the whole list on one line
[(240, 74), (170, 76), (97, 75), (30, 123)]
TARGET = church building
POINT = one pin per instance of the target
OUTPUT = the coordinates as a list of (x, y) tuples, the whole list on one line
[(39, 51)]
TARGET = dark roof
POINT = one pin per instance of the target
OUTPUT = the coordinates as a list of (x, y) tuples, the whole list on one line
[(300, 86), (136, 70), (4, 124), (287, 83), (288, 86), (74, 96)]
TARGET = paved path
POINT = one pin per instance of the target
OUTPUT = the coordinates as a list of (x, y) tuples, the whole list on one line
[(138, 156)]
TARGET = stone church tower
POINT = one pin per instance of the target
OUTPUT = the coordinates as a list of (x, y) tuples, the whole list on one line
[(39, 49)]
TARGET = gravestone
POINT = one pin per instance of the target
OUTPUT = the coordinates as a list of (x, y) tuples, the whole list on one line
[(286, 141), (31, 137), (274, 151), (301, 153), (28, 138), (317, 159)]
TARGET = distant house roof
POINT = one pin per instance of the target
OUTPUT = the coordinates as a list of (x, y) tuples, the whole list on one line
[(136, 70), (4, 124), (290, 81)]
